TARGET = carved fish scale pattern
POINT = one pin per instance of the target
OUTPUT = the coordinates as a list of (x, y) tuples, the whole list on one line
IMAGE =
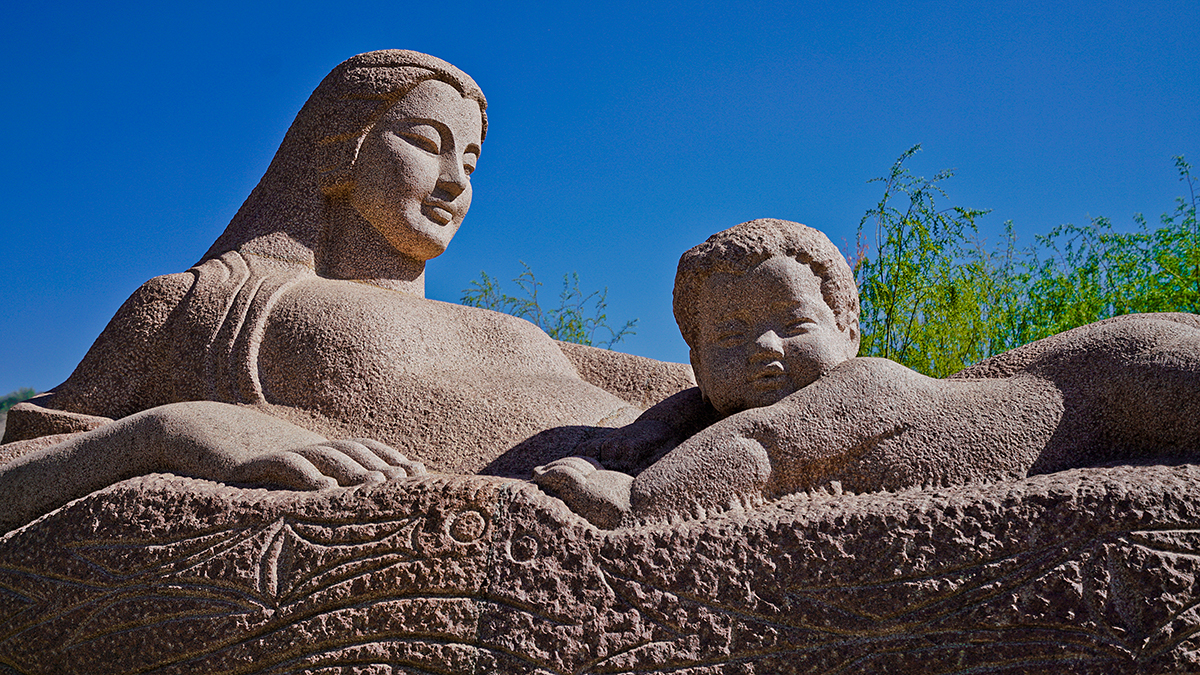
[(1088, 571)]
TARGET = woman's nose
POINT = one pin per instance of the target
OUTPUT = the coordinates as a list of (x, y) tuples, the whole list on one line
[(770, 342), (453, 178)]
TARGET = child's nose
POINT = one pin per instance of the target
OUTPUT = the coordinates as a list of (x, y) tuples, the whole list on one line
[(770, 342)]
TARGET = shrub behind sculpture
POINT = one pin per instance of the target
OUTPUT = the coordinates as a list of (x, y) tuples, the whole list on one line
[(936, 298)]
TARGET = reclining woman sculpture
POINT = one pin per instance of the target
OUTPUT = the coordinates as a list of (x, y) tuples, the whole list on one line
[(310, 308)]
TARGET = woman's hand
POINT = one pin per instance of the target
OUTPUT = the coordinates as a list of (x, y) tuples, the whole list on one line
[(326, 464), (202, 439)]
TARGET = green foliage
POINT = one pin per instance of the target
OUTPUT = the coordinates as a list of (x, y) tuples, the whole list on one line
[(935, 299), (930, 296), (1077, 275), (577, 319), (16, 397)]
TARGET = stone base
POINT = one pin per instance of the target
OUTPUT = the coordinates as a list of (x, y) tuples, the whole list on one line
[(1086, 571)]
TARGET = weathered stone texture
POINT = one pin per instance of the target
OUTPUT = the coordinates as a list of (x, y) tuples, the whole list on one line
[(28, 420), (1085, 571), (637, 380)]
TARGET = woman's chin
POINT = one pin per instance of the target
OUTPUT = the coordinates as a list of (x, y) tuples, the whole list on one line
[(424, 241)]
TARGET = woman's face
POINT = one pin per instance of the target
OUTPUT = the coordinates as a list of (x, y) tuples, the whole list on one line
[(412, 177)]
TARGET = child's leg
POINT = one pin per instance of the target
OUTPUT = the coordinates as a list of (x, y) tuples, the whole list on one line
[(1131, 391)]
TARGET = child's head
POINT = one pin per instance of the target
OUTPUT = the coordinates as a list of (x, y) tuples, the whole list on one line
[(766, 307)]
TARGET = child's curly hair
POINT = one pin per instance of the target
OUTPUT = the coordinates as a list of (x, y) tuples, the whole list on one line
[(741, 247)]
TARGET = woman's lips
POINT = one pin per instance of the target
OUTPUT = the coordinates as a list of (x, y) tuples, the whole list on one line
[(438, 212)]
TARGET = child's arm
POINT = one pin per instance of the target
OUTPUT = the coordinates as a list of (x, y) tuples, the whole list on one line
[(202, 439), (665, 425), (837, 428), (713, 470)]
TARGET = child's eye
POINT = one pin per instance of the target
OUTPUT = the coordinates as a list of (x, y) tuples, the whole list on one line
[(729, 333), (731, 339), (799, 325)]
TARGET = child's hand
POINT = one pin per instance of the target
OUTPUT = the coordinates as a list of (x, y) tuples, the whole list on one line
[(598, 495), (633, 447), (327, 464)]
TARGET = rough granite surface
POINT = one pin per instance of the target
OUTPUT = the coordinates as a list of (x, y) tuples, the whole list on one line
[(29, 420), (637, 380), (1084, 571)]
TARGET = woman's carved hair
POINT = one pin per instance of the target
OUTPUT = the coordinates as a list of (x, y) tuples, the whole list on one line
[(740, 248)]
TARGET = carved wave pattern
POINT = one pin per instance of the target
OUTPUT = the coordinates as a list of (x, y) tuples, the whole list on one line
[(1064, 590), (256, 598), (514, 584), (1122, 603)]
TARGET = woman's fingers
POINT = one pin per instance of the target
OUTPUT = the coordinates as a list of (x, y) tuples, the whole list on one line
[(398, 465), (359, 452), (284, 469), (327, 464), (337, 464)]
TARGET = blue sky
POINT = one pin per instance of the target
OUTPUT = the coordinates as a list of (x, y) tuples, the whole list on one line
[(620, 133)]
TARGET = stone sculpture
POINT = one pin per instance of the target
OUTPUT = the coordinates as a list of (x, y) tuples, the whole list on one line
[(304, 323), (770, 311), (310, 308)]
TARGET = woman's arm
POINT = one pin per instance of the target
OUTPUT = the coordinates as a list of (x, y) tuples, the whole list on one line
[(203, 439)]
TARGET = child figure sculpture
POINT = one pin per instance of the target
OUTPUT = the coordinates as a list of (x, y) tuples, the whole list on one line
[(770, 311)]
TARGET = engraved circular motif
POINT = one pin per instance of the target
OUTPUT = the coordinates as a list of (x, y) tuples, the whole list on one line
[(523, 548), (467, 526)]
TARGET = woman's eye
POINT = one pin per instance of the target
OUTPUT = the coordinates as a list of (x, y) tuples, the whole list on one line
[(420, 140)]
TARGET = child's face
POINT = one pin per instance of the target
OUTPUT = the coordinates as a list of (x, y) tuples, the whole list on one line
[(765, 334)]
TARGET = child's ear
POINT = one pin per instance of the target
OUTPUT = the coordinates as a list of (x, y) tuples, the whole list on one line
[(696, 373), (853, 338)]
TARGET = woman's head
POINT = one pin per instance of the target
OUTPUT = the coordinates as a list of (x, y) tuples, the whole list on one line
[(286, 215), (360, 92), (411, 178)]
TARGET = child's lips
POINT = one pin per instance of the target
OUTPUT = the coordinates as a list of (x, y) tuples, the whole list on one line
[(769, 376)]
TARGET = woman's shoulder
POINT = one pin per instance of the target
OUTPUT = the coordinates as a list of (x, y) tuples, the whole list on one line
[(160, 294), (109, 380)]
